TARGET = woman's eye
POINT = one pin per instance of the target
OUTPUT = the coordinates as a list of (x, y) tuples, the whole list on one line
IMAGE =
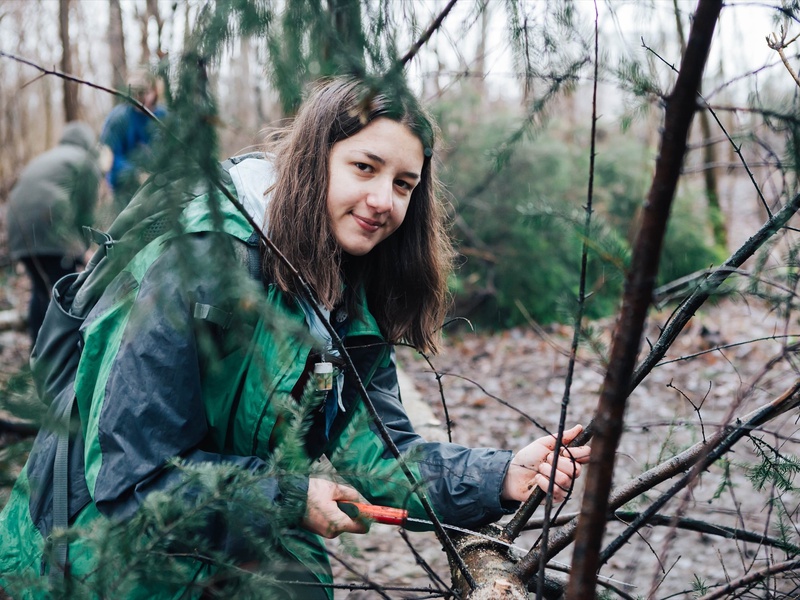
[(363, 167), (404, 185)]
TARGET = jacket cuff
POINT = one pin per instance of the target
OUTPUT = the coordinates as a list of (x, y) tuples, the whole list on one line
[(495, 505), (293, 497)]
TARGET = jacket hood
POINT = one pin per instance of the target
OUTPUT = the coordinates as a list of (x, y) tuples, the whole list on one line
[(80, 134)]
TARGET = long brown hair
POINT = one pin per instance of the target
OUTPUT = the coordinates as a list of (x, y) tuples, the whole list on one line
[(405, 276)]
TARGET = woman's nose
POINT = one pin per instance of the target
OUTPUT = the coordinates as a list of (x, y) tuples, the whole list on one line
[(379, 198)]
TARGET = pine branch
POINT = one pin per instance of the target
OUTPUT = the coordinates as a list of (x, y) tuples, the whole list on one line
[(685, 523), (710, 285), (731, 533), (309, 295)]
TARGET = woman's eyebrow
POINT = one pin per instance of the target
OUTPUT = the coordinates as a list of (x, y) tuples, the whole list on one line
[(378, 159)]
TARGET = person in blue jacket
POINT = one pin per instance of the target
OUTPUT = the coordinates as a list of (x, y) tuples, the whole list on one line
[(188, 355), (129, 133)]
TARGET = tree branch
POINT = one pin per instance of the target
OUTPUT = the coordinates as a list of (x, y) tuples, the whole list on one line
[(681, 106), (528, 507), (437, 22), (74, 79), (779, 45), (751, 578), (709, 286)]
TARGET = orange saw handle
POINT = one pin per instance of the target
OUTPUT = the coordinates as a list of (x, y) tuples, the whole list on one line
[(373, 512)]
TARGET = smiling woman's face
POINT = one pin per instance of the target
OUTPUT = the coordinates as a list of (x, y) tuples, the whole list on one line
[(371, 177)]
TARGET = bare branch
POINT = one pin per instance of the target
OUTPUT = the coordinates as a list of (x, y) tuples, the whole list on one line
[(72, 78), (528, 507), (745, 581), (711, 284), (437, 22), (779, 45)]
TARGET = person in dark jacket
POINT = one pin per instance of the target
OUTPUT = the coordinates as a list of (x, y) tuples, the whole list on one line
[(190, 355), (53, 198), (129, 133)]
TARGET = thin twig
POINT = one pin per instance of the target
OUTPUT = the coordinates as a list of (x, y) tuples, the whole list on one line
[(628, 332), (72, 78), (528, 507), (437, 22), (715, 279), (737, 148), (674, 466), (716, 446), (779, 45)]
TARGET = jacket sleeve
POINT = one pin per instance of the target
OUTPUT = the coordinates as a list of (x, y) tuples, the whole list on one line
[(115, 136), (463, 484), (142, 404)]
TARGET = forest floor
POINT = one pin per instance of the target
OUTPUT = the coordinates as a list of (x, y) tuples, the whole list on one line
[(504, 390)]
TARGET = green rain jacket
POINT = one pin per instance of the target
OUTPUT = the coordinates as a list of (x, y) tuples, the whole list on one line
[(183, 366)]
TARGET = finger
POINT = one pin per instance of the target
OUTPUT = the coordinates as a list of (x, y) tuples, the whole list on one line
[(549, 441), (562, 479), (579, 454), (345, 492), (571, 456), (571, 468), (338, 522), (544, 484), (357, 525), (571, 434)]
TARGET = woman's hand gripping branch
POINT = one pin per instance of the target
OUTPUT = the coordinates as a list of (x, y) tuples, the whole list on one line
[(533, 465)]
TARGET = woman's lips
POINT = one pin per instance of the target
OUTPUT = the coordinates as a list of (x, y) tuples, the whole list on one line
[(367, 224)]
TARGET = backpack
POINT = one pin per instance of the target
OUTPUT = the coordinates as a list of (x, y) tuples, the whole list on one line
[(55, 357)]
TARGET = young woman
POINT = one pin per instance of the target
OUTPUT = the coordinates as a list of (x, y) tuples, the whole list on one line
[(214, 368)]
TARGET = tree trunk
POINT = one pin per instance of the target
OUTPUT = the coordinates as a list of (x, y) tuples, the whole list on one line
[(70, 89), (143, 23), (715, 214), (608, 421), (153, 11), (248, 98), (479, 70), (116, 45)]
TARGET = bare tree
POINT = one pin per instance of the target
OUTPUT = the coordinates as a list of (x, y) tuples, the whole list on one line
[(70, 89), (116, 45)]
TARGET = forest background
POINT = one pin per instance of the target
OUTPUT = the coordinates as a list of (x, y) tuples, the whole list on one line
[(540, 128)]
